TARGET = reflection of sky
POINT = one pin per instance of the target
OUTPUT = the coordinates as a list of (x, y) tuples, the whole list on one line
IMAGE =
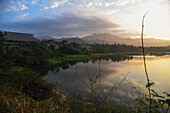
[(111, 75)]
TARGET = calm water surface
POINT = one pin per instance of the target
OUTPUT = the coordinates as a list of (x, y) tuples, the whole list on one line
[(111, 73)]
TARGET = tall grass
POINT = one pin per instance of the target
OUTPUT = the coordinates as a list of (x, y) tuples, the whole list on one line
[(144, 61)]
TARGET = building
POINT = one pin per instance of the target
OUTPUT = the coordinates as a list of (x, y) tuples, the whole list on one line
[(86, 46), (15, 38)]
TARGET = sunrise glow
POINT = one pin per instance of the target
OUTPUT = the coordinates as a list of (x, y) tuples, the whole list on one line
[(157, 24)]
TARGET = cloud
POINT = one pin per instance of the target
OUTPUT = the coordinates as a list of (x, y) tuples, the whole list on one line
[(87, 5), (120, 92), (122, 2), (22, 7), (46, 7), (35, 1), (106, 7), (107, 84), (11, 5), (67, 24), (107, 4), (21, 16), (54, 3), (131, 96)]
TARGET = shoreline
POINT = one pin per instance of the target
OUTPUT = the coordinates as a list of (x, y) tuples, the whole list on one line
[(81, 57)]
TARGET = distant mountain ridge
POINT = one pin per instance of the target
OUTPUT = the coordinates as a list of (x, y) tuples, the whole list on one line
[(108, 38)]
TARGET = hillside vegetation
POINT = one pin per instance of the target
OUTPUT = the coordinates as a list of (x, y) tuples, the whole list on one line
[(23, 90)]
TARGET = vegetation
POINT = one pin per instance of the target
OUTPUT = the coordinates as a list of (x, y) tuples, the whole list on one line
[(71, 48), (25, 81), (70, 58), (128, 49), (25, 54), (23, 90), (1, 33), (37, 53)]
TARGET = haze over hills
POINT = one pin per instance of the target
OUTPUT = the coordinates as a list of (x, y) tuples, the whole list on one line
[(108, 38)]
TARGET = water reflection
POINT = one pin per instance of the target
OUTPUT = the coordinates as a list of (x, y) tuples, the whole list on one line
[(111, 73)]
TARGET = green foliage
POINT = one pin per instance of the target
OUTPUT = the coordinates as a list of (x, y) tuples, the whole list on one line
[(26, 81), (22, 90), (71, 48), (13, 101), (68, 58), (114, 48), (122, 48), (26, 54), (159, 103), (1, 34), (149, 84)]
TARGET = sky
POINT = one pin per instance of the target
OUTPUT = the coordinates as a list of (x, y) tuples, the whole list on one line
[(68, 18)]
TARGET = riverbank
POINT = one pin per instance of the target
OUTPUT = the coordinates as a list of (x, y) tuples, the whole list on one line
[(23, 90), (76, 58)]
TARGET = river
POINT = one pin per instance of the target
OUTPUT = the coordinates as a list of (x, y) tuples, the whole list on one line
[(108, 73)]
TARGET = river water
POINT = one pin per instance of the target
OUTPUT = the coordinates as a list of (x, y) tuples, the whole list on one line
[(109, 73)]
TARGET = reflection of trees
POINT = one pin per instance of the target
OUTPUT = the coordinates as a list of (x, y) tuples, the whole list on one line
[(107, 58), (72, 63), (115, 58), (130, 58), (120, 58), (64, 65), (43, 69)]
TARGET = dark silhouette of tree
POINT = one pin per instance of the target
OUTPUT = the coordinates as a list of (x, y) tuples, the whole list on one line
[(1, 34)]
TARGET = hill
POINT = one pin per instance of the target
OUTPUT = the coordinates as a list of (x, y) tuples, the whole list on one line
[(108, 38)]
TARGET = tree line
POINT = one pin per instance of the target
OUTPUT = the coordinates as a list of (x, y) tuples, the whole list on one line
[(36, 53)]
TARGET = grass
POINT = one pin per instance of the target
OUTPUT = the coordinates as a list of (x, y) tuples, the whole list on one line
[(26, 81), (77, 58), (69, 58)]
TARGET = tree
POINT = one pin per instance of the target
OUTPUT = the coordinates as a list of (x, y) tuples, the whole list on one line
[(1, 34)]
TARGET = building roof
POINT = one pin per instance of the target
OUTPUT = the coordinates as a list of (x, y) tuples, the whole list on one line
[(14, 36)]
